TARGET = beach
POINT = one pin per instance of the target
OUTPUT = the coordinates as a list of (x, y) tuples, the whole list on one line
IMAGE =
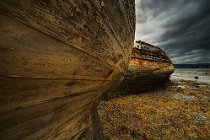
[(179, 109), (200, 75)]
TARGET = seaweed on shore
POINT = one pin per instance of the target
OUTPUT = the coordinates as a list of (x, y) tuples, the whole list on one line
[(177, 112)]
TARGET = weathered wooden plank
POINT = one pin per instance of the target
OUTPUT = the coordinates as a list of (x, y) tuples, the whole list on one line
[(77, 22), (26, 92), (56, 59), (43, 57), (44, 118)]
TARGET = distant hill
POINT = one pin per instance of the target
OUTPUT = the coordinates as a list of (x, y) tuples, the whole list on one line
[(200, 65)]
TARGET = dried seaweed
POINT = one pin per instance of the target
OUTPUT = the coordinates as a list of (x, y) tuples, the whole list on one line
[(158, 115)]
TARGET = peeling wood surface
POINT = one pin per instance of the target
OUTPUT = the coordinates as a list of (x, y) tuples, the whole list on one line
[(150, 67), (149, 60), (104, 31), (56, 59), (146, 71)]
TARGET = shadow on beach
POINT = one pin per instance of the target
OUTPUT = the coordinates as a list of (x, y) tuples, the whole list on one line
[(177, 109)]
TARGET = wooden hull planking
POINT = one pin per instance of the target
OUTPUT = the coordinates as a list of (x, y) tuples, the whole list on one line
[(56, 59)]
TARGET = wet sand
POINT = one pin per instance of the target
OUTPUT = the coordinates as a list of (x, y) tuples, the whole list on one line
[(179, 110), (201, 75)]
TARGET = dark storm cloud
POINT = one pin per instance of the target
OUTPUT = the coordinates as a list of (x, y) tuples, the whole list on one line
[(180, 27)]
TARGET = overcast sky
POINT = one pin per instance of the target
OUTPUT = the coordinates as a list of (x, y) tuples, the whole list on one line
[(179, 27)]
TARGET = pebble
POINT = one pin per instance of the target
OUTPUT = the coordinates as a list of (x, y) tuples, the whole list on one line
[(202, 117), (184, 98), (180, 87)]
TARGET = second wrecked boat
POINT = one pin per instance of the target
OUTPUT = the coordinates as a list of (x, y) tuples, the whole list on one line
[(149, 66)]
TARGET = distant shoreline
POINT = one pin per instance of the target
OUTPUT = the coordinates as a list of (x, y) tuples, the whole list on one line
[(200, 75), (201, 65)]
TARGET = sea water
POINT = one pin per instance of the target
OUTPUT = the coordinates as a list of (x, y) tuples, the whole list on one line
[(201, 75)]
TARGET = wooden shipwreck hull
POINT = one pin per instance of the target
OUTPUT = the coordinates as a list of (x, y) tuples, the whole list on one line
[(149, 66), (56, 59)]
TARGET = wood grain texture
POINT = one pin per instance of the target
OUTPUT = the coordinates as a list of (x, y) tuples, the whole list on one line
[(146, 70), (149, 67), (56, 60), (104, 29)]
